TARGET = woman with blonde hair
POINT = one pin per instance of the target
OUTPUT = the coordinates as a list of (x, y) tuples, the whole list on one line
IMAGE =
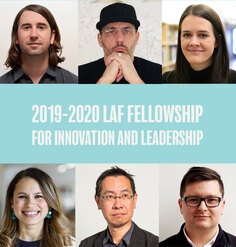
[(33, 215)]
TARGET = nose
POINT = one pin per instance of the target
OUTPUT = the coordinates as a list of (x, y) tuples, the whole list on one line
[(202, 206), (118, 202), (34, 32), (30, 201), (119, 36), (194, 40)]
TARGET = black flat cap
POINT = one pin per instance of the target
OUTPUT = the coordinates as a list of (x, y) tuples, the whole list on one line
[(118, 12)]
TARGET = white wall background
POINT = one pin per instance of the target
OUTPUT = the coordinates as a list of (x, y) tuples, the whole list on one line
[(148, 13), (170, 179), (66, 15), (90, 220)]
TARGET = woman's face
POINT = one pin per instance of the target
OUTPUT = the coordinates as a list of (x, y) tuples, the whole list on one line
[(29, 204), (197, 41)]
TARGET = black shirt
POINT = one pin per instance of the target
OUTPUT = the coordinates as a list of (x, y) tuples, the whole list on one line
[(54, 75), (223, 239), (202, 76), (21, 243), (148, 71)]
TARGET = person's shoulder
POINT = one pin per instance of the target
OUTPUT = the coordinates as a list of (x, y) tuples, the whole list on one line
[(168, 241), (68, 77), (89, 241), (232, 76), (90, 73), (172, 241), (176, 240), (91, 64), (150, 238), (230, 238), (150, 72), (7, 78), (169, 77), (148, 63)]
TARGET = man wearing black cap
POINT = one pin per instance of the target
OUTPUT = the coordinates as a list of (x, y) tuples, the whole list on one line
[(118, 36)]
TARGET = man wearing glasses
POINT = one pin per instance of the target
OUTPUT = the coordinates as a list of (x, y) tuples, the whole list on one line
[(118, 36), (116, 196), (201, 204)]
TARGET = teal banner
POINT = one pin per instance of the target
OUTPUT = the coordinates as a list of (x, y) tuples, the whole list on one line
[(117, 123)]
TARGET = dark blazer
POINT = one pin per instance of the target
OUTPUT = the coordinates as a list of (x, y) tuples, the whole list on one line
[(223, 239), (139, 238)]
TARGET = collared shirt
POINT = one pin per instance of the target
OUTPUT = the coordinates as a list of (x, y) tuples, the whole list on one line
[(108, 242), (209, 244), (53, 75)]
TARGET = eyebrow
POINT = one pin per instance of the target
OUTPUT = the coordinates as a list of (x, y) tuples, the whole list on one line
[(24, 193), (199, 31), (38, 24), (126, 26), (112, 192)]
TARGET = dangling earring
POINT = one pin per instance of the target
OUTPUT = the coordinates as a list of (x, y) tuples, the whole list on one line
[(13, 217), (49, 214)]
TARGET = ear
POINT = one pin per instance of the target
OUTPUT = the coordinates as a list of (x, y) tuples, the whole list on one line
[(137, 36), (52, 37), (223, 206), (17, 42), (97, 199), (135, 199), (99, 38), (180, 202)]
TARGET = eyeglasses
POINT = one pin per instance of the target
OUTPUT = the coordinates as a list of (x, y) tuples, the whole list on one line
[(195, 201), (113, 31), (111, 198)]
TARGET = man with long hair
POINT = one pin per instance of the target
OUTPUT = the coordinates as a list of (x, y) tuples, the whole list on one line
[(35, 49)]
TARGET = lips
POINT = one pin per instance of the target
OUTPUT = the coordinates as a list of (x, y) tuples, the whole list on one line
[(201, 216), (195, 51), (118, 214), (120, 49), (32, 44)]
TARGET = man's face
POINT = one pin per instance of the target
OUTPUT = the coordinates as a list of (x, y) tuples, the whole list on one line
[(117, 211), (34, 34), (118, 37), (202, 217)]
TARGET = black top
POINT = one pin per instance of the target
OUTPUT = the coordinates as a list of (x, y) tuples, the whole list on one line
[(202, 76), (148, 71), (54, 75), (139, 238), (21, 243), (223, 239)]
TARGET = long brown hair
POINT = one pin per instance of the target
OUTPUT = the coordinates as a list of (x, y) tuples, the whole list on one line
[(55, 50), (56, 231), (220, 57)]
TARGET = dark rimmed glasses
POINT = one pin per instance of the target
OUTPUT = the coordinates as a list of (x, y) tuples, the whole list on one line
[(195, 201)]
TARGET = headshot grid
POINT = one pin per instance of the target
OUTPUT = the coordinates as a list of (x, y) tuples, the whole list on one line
[(109, 204)]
